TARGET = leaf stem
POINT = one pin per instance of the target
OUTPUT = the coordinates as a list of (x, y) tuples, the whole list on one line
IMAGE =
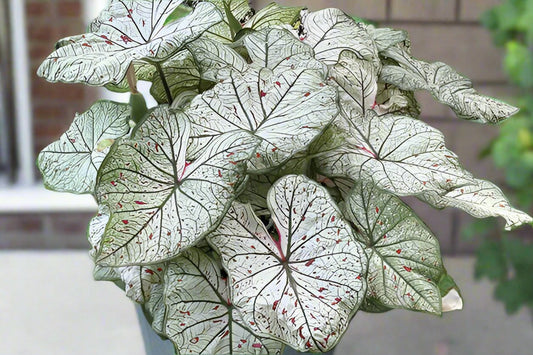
[(164, 80)]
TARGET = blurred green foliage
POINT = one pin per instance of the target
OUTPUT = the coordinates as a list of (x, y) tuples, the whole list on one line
[(503, 257)]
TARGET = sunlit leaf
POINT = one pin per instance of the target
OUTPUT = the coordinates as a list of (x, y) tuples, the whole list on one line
[(357, 82), (404, 256), (397, 153), (384, 38), (139, 280), (446, 86), (279, 50), (481, 199), (159, 203), (304, 285), (213, 57), (274, 15), (286, 111), (70, 164), (331, 31), (200, 318), (126, 31)]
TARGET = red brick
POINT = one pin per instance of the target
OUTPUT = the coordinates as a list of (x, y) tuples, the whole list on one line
[(38, 9), (69, 9), (20, 223)]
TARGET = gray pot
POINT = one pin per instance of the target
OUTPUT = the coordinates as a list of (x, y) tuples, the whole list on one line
[(154, 345)]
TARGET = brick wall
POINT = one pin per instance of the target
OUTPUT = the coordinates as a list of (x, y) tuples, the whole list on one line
[(445, 30), (54, 105)]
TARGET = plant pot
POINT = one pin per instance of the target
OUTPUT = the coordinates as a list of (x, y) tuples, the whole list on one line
[(154, 345)]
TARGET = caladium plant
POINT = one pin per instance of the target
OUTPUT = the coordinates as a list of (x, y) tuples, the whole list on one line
[(259, 204)]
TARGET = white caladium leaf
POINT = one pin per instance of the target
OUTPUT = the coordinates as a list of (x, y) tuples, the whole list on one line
[(159, 203), (285, 287), (279, 50), (70, 164), (481, 199), (357, 82), (392, 100), (404, 256), (285, 111), (446, 86), (154, 309), (274, 15), (331, 31), (181, 75), (139, 280), (126, 31), (451, 295), (384, 38), (397, 153), (212, 58), (200, 318)]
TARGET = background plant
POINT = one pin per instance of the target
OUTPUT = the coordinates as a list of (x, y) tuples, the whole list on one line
[(259, 203), (505, 257)]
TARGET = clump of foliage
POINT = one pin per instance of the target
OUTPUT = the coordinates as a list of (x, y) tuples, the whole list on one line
[(259, 203), (505, 257)]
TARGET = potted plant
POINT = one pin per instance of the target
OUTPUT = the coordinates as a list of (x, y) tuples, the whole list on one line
[(258, 205)]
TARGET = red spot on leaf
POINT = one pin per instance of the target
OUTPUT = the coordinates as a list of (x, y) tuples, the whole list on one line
[(263, 94), (337, 301), (377, 210), (185, 312), (257, 346), (140, 203), (125, 221), (195, 340), (307, 94), (86, 45), (113, 183), (225, 334), (151, 236), (278, 83), (310, 262), (148, 271), (399, 251), (159, 269), (275, 305), (219, 173), (407, 268), (258, 155)]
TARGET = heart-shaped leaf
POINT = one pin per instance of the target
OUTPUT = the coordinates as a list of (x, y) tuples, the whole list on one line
[(404, 256), (446, 86), (139, 280), (70, 164), (215, 59), (200, 318), (481, 199), (159, 203), (279, 50), (274, 15), (397, 153), (357, 82), (286, 111), (384, 38), (126, 31), (331, 31), (304, 286)]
